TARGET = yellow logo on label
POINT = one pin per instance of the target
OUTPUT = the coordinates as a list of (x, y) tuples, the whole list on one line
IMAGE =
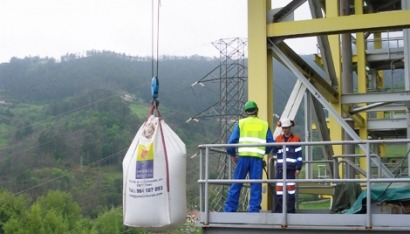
[(145, 152)]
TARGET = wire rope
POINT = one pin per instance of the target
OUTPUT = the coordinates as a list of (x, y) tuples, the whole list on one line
[(155, 38)]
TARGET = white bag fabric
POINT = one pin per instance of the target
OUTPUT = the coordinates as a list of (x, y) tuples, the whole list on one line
[(154, 180)]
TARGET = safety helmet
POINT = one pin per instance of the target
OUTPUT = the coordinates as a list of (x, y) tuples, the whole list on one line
[(286, 122), (250, 106)]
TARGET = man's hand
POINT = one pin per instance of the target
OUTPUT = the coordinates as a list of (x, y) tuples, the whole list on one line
[(297, 173), (235, 159)]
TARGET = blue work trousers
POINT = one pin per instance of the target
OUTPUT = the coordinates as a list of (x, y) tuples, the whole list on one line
[(245, 165)]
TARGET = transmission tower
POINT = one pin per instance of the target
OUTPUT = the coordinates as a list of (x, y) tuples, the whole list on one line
[(231, 76)]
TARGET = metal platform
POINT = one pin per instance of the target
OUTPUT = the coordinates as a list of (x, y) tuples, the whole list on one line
[(237, 223), (374, 219)]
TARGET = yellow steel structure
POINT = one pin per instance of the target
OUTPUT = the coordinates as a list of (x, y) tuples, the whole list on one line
[(332, 11), (339, 24), (262, 31), (260, 65), (361, 73), (346, 99)]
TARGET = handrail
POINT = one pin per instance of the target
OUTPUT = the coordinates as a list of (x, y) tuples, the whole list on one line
[(303, 143), (204, 180), (352, 164)]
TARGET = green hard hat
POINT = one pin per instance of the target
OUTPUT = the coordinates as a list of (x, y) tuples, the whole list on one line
[(250, 105)]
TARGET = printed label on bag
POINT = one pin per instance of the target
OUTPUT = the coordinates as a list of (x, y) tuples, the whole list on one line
[(145, 161)]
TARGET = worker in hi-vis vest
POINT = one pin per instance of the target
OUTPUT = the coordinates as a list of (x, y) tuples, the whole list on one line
[(249, 160), (293, 165)]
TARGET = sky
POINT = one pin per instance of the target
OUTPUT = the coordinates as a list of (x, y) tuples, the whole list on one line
[(53, 28)]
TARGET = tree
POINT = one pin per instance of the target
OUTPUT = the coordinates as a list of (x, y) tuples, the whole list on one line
[(11, 207), (56, 212), (61, 203), (109, 221)]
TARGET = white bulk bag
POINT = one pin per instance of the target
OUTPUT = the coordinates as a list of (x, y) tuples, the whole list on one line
[(154, 182)]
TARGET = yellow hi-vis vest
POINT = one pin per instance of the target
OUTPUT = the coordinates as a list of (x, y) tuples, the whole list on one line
[(252, 130)]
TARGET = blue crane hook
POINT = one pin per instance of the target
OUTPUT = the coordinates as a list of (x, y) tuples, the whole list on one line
[(154, 87), (154, 90)]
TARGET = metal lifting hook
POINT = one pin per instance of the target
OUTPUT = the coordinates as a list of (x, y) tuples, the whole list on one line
[(154, 90)]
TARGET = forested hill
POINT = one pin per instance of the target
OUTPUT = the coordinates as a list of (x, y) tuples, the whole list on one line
[(66, 125), (88, 108), (35, 79), (103, 83)]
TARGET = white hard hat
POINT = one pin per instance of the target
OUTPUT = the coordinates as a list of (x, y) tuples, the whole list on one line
[(286, 122)]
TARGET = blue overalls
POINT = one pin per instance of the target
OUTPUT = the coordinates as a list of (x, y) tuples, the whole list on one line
[(250, 160)]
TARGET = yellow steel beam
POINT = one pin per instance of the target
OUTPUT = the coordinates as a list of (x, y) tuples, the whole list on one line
[(342, 24), (358, 119), (260, 81), (335, 129), (317, 81), (361, 77)]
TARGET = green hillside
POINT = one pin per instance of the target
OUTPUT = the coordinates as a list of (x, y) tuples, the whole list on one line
[(66, 126)]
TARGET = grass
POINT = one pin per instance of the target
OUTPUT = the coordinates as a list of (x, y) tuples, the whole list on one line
[(139, 110), (394, 150), (315, 205)]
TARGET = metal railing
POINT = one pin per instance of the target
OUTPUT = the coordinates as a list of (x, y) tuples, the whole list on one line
[(366, 178)]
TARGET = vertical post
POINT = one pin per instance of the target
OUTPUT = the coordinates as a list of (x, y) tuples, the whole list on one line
[(406, 49), (201, 177), (284, 189), (260, 84), (347, 83), (332, 10), (368, 191), (362, 77), (308, 136), (206, 185)]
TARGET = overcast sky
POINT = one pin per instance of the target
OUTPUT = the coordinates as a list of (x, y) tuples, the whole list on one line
[(56, 27)]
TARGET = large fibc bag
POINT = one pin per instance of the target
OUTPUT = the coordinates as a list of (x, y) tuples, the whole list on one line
[(154, 181)]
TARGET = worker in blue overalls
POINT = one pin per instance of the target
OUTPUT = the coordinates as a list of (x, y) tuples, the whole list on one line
[(249, 130)]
